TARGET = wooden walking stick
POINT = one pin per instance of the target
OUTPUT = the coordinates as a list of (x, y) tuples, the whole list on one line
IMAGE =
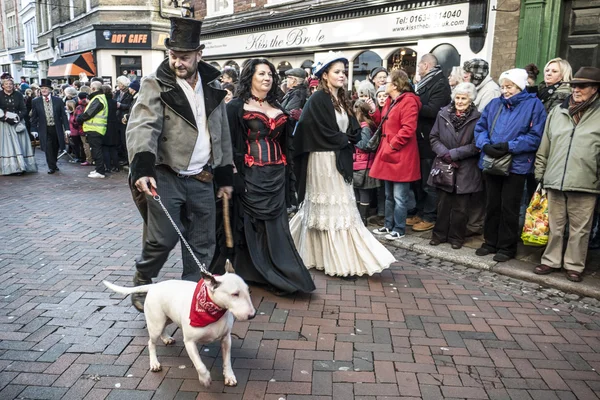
[(226, 223)]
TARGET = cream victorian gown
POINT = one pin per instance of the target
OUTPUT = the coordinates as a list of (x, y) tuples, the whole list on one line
[(327, 229)]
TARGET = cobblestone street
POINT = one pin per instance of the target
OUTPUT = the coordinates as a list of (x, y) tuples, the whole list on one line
[(423, 329)]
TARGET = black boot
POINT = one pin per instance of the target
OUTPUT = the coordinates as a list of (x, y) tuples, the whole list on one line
[(137, 299), (363, 209)]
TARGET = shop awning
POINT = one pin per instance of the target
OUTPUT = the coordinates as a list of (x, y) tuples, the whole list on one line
[(72, 66)]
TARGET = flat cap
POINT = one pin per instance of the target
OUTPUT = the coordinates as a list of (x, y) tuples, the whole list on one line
[(297, 72)]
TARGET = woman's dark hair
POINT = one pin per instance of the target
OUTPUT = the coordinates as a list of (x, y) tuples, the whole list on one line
[(244, 90), (532, 71), (342, 101), (362, 112), (230, 72)]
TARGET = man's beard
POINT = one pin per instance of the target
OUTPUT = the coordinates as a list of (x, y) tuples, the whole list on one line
[(185, 73)]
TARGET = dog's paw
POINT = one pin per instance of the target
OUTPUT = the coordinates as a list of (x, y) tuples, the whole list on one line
[(155, 367), (205, 379), (230, 379), (167, 340)]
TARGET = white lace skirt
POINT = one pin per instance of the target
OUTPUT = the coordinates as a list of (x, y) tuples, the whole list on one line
[(327, 229)]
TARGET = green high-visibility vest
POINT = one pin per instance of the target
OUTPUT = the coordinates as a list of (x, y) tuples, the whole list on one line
[(99, 122)]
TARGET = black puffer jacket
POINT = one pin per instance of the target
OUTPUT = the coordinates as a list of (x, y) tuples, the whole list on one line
[(434, 96)]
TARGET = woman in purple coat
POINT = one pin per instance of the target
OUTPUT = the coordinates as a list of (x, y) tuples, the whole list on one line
[(453, 141)]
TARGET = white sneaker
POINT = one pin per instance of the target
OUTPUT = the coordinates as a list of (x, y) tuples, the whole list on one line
[(393, 236), (381, 231), (96, 175)]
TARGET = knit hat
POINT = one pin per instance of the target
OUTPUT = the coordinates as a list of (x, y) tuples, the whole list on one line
[(518, 76), (82, 95), (366, 88), (313, 83), (381, 89), (478, 68), (375, 71), (135, 85)]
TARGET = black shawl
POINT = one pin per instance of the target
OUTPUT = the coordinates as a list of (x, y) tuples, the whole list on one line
[(317, 130)]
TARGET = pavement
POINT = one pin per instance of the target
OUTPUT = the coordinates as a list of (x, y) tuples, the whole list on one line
[(426, 328), (521, 267)]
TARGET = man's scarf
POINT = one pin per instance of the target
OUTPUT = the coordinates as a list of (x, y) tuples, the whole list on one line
[(428, 77), (203, 311), (576, 110)]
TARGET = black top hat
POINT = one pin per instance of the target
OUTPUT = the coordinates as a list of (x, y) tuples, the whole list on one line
[(586, 75), (185, 35), (46, 83)]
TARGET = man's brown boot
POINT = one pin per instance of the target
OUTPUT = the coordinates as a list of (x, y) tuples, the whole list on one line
[(137, 299)]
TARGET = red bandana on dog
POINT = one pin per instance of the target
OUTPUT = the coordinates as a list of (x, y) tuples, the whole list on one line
[(203, 311)]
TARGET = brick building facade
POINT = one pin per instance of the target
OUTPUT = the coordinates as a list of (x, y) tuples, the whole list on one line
[(505, 39), (11, 37)]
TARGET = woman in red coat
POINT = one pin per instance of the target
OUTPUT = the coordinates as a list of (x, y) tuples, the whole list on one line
[(397, 158)]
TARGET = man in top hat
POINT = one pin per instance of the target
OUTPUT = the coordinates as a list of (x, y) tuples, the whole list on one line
[(179, 144), (49, 120), (295, 98)]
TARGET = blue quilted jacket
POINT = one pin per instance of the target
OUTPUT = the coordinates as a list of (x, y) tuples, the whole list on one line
[(520, 123)]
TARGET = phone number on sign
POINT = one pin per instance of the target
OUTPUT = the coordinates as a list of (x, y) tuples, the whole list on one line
[(429, 16)]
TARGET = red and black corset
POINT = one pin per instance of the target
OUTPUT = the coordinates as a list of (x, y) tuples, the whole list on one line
[(263, 136)]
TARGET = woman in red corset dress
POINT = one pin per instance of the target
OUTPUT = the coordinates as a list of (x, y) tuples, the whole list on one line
[(264, 252)]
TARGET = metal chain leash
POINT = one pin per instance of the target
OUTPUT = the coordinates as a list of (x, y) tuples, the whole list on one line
[(156, 197)]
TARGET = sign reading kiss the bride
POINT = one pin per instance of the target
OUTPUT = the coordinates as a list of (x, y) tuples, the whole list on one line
[(403, 24)]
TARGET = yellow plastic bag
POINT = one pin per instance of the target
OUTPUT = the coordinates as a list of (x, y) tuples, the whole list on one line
[(536, 229)]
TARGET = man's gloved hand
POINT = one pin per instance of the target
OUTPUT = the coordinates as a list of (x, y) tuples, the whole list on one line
[(491, 151), (34, 134), (446, 158)]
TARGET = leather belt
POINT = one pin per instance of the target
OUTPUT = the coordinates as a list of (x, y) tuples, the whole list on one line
[(206, 175)]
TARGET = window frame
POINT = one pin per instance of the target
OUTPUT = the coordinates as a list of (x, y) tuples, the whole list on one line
[(210, 8)]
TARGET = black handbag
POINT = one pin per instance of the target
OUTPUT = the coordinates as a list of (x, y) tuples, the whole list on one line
[(496, 166), (443, 175), (373, 143)]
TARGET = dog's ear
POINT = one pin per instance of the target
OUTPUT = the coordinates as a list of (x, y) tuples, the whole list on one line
[(212, 282), (229, 267)]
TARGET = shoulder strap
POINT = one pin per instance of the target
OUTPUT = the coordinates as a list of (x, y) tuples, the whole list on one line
[(392, 104), (495, 119)]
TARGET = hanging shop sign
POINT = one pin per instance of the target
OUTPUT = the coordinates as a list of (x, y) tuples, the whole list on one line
[(29, 64), (400, 25)]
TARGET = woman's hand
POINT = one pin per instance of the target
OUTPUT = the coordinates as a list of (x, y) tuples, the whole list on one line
[(371, 103)]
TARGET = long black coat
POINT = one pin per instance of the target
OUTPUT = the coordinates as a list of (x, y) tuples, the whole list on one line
[(461, 146), (435, 95), (39, 124)]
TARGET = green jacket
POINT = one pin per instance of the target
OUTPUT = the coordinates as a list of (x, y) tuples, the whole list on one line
[(568, 158)]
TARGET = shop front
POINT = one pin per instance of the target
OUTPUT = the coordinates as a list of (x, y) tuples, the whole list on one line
[(392, 36), (117, 50)]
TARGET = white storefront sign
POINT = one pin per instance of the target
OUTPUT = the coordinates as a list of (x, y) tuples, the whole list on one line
[(399, 25)]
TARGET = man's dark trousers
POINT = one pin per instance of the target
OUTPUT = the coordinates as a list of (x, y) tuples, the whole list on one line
[(51, 147), (191, 204), (95, 141)]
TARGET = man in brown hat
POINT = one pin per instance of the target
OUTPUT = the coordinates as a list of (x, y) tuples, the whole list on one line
[(567, 165), (179, 144)]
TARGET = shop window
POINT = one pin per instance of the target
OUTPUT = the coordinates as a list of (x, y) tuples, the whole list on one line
[(404, 59), (130, 66), (364, 63), (447, 56), (219, 7)]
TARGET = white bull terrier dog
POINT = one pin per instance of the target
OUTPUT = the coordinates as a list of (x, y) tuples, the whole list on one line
[(204, 312)]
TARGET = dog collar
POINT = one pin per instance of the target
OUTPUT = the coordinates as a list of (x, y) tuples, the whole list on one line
[(204, 311)]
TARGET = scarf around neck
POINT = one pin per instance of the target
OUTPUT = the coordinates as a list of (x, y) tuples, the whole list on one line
[(546, 92), (428, 77), (576, 110), (204, 311), (459, 120)]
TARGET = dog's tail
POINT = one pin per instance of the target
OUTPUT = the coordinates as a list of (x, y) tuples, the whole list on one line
[(127, 290)]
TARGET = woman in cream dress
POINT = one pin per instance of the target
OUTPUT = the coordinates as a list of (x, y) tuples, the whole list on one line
[(327, 229)]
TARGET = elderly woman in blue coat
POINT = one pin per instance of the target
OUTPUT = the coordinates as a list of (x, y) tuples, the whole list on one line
[(511, 124)]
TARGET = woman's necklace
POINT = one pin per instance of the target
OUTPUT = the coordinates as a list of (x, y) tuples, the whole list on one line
[(258, 100)]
